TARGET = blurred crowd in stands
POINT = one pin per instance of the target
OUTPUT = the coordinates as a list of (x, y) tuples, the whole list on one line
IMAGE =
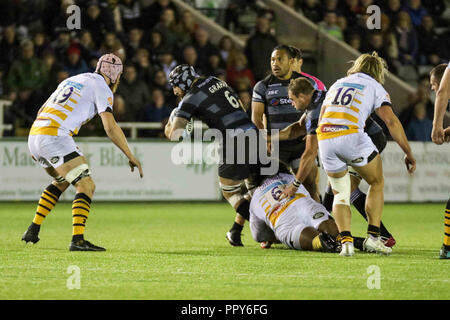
[(37, 51)]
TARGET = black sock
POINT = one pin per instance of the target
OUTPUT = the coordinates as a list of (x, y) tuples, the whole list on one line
[(358, 199), (77, 237), (328, 199), (373, 231), (236, 227), (358, 243), (244, 209)]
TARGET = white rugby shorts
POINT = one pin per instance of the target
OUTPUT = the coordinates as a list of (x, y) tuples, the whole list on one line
[(52, 151), (356, 150)]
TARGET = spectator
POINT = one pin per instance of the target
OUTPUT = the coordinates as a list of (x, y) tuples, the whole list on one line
[(258, 48), (160, 82), (98, 20), (87, 46), (376, 43), (422, 95), (112, 44), (419, 129), (26, 78), (429, 42), (74, 64), (61, 44), (312, 10), (238, 71), (156, 46), (416, 11), (355, 41), (152, 13), (53, 67), (155, 111), (130, 11), (191, 58), (204, 48), (134, 93), (226, 47), (168, 27), (9, 47), (215, 66), (134, 42), (352, 11), (40, 43), (144, 67), (406, 39), (187, 28), (331, 5), (392, 9), (329, 25), (341, 22), (119, 109), (167, 62)]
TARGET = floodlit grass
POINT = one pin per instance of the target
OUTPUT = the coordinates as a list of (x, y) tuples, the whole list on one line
[(179, 251)]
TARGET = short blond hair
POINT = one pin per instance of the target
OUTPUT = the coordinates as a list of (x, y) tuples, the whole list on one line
[(370, 64)]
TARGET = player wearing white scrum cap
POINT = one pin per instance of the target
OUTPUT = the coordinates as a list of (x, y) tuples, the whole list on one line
[(343, 143), (75, 101)]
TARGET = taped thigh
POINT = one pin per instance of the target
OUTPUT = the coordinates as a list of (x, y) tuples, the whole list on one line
[(78, 173)]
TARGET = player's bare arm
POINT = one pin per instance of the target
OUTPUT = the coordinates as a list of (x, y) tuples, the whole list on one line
[(258, 114), (117, 136), (441, 103), (307, 164), (398, 134), (174, 130)]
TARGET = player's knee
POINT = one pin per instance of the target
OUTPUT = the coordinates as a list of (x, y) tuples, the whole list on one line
[(233, 194), (62, 185), (341, 189)]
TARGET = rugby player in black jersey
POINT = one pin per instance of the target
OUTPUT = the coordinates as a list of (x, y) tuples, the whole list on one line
[(305, 97), (272, 109), (212, 101)]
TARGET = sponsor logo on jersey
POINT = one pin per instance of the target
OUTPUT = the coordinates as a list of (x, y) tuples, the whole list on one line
[(110, 101), (318, 215), (358, 160), (274, 102), (54, 160), (272, 92), (332, 128)]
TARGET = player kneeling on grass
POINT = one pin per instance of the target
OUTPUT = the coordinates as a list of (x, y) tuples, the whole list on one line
[(76, 100), (299, 221)]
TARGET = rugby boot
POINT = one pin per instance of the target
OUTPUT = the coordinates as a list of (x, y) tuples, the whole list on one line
[(84, 245), (388, 241), (234, 238), (31, 235), (376, 245), (444, 253), (347, 249), (328, 243)]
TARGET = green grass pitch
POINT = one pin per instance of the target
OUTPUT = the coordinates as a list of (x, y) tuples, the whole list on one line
[(179, 251)]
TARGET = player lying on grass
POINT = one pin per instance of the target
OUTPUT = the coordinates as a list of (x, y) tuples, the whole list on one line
[(440, 83), (76, 101), (308, 100), (299, 221)]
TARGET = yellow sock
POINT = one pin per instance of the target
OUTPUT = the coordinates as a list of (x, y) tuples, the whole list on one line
[(316, 244), (80, 211), (447, 226), (47, 202)]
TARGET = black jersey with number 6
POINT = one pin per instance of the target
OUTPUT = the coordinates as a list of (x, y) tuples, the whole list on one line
[(212, 101)]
